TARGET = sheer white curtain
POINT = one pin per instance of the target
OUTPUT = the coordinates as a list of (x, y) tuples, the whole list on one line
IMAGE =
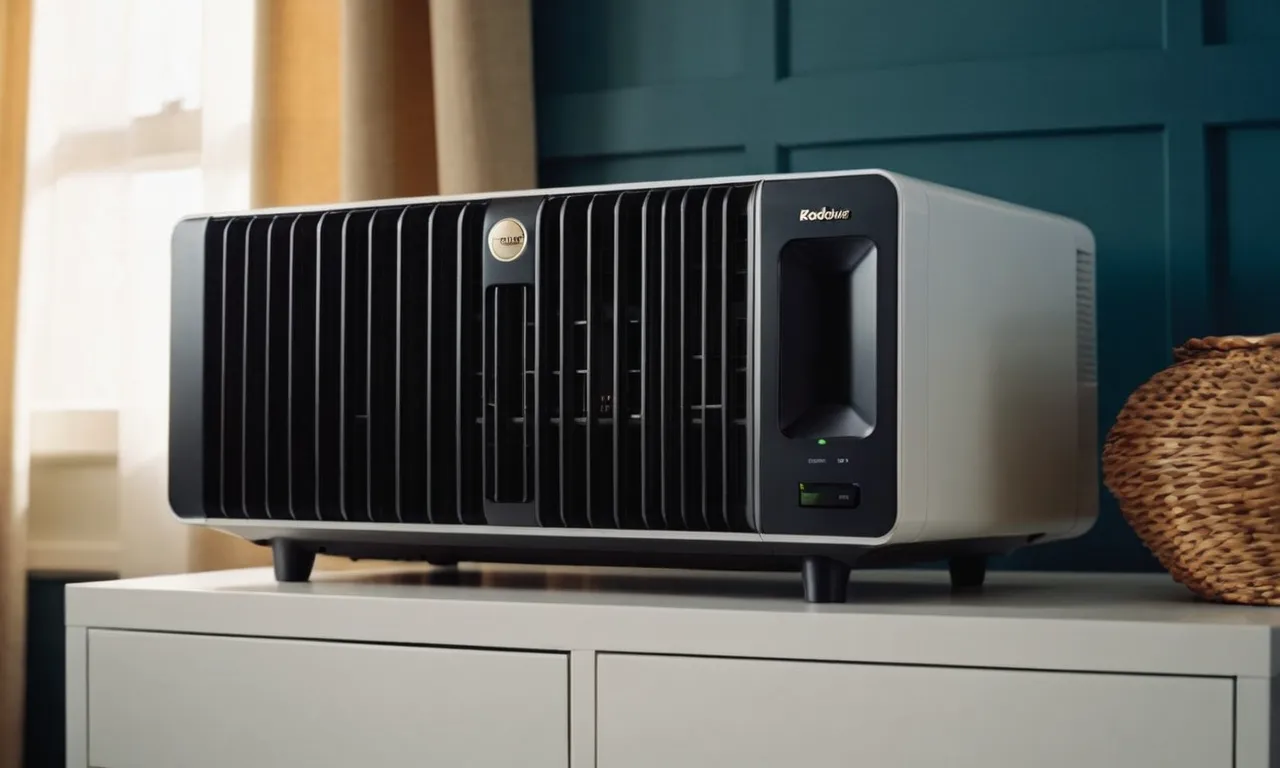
[(139, 113)]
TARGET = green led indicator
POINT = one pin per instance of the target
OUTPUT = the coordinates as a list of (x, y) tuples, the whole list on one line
[(822, 441)]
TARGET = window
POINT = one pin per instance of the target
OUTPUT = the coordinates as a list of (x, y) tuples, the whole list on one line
[(139, 114)]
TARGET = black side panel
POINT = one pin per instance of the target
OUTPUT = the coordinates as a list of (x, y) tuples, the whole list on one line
[(192, 482), (861, 222)]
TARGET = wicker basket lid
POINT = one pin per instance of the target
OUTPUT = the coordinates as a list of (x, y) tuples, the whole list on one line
[(1210, 345)]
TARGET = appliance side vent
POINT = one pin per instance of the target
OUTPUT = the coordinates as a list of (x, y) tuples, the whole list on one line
[(1086, 333), (358, 370), (343, 365), (640, 361)]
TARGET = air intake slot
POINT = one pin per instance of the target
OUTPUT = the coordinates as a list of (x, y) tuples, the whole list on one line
[(508, 386), (641, 360), (343, 362)]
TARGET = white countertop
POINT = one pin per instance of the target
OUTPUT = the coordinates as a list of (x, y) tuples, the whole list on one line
[(1123, 623)]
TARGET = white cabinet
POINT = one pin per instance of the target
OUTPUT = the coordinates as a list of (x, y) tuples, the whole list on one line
[(590, 668), (687, 712), (163, 700)]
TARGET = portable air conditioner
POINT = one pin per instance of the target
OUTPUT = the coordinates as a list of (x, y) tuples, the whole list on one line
[(812, 371)]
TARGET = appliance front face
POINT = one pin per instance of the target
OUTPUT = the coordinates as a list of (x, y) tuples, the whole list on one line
[(827, 335)]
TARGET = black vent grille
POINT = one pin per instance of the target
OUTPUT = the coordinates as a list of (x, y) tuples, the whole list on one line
[(642, 360), (343, 365), (358, 369)]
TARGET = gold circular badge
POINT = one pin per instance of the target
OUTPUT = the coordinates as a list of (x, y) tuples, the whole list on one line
[(507, 239)]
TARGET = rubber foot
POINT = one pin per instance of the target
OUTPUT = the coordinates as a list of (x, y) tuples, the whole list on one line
[(968, 571), (291, 561), (825, 580)]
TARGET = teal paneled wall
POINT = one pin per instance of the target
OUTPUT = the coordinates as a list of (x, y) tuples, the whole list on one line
[(1156, 122)]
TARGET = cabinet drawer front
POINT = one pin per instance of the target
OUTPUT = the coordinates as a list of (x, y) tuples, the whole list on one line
[(159, 700), (680, 711)]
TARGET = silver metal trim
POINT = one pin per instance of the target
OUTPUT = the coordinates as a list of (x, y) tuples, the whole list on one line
[(549, 192), (409, 532)]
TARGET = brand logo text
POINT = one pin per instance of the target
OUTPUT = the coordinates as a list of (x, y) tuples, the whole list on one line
[(824, 214)]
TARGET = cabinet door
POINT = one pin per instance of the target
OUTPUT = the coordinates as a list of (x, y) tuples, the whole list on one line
[(679, 712), (159, 700)]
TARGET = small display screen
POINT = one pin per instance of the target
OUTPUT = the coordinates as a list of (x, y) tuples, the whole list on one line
[(830, 495)]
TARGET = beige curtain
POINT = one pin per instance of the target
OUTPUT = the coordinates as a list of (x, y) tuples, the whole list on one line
[(351, 99), (360, 100), (15, 26)]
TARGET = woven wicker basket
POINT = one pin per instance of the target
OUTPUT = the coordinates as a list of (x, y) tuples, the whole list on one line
[(1194, 461)]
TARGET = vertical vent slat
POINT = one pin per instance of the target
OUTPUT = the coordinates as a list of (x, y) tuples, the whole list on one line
[(215, 306), (735, 363), (353, 427), (468, 351), (328, 382), (591, 275), (445, 328), (492, 467), (528, 326), (546, 362), (691, 406), (572, 327), (381, 404), (669, 369), (564, 378), (414, 305), (253, 384), (275, 411), (600, 401), (627, 364), (303, 272), (232, 442), (651, 468), (712, 411)]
